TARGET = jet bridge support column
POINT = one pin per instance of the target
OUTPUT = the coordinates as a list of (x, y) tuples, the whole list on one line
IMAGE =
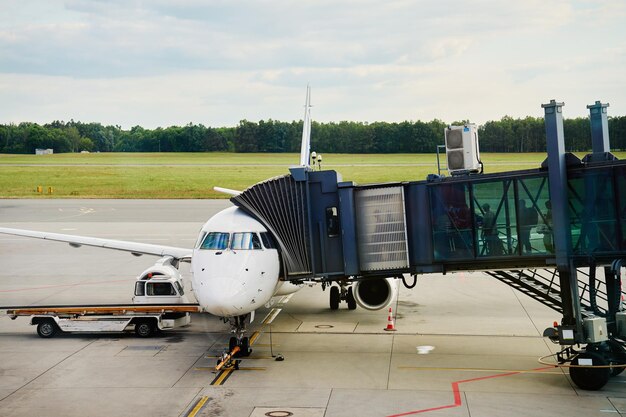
[(599, 129), (557, 175), (601, 147)]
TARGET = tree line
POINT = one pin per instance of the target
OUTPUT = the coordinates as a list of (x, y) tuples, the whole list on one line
[(504, 135)]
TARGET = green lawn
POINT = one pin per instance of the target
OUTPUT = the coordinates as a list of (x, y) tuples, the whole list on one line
[(193, 175)]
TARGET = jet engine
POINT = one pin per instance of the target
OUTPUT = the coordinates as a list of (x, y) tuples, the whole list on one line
[(374, 294)]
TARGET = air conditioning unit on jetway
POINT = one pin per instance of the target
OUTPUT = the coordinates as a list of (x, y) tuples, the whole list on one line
[(462, 149)]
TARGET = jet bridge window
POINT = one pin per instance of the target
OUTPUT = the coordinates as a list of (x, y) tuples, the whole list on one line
[(215, 241), (332, 222), (452, 219), (592, 211), (495, 209), (243, 241)]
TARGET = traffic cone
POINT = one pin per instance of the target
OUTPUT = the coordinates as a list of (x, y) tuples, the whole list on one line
[(390, 327)]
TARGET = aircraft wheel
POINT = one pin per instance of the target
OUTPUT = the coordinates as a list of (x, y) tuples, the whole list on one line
[(351, 301), (334, 298), (232, 342), (144, 329), (591, 379), (245, 347), (47, 328)]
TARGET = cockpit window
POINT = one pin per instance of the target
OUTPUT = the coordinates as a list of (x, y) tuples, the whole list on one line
[(268, 241), (246, 240), (200, 239), (215, 241)]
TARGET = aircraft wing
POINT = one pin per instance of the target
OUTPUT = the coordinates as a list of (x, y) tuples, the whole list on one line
[(135, 248)]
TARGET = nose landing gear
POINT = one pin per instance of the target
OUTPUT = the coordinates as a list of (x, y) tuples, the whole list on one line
[(244, 346), (238, 325)]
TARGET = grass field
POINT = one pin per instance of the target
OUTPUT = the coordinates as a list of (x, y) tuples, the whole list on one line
[(193, 175)]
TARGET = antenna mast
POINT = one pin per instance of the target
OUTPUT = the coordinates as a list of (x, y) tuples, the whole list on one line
[(305, 148)]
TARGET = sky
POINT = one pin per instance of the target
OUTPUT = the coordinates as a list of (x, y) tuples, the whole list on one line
[(162, 63)]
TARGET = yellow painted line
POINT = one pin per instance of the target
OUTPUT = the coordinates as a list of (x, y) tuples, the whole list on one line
[(285, 299), (254, 337), (241, 368), (198, 406), (248, 358), (267, 316), (271, 316), (225, 374), (417, 368)]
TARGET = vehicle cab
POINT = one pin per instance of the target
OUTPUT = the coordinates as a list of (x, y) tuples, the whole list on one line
[(160, 284)]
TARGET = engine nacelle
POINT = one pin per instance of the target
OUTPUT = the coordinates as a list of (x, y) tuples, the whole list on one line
[(286, 288), (374, 294)]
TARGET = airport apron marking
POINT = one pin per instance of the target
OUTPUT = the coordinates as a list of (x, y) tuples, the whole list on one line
[(197, 407), (223, 375), (457, 393)]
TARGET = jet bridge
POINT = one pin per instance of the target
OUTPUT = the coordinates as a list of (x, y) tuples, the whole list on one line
[(531, 229)]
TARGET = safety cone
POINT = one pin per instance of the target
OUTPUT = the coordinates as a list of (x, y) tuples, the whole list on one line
[(390, 327)]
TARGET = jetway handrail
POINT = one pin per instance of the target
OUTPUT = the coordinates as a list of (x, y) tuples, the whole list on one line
[(549, 280)]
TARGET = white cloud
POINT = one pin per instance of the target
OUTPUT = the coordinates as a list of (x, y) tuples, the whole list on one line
[(216, 62)]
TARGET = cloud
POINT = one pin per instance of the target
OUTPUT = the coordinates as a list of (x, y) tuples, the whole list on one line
[(216, 62), (120, 38)]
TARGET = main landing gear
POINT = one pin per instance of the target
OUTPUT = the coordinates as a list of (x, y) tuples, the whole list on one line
[(342, 293)]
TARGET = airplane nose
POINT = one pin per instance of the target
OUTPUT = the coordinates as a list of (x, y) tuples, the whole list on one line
[(232, 284), (219, 297)]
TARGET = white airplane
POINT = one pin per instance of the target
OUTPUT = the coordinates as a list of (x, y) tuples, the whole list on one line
[(235, 263)]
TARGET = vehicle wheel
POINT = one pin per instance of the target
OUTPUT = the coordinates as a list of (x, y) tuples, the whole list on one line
[(334, 298), (618, 352), (590, 379), (144, 329), (47, 328), (351, 300), (232, 343)]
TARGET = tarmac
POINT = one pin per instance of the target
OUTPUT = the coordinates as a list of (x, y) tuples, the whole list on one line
[(465, 344)]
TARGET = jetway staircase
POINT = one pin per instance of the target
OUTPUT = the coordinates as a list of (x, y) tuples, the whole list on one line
[(543, 286)]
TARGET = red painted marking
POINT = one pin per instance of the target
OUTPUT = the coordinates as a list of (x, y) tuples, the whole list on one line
[(457, 393), (64, 285)]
